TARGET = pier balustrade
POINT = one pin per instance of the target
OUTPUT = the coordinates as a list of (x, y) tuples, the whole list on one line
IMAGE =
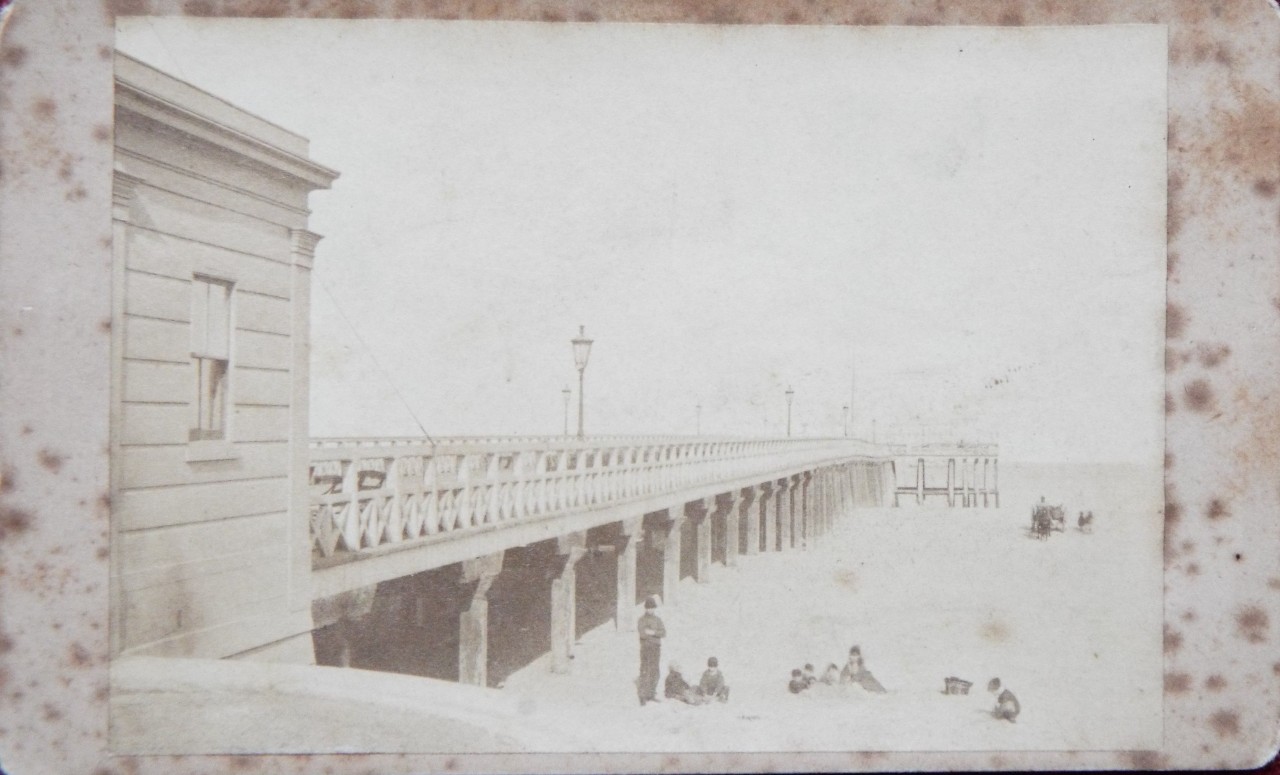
[(368, 493)]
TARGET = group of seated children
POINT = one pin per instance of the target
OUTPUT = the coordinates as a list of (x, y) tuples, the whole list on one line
[(711, 687), (854, 672)]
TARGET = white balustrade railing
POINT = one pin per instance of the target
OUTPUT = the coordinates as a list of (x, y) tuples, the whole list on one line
[(371, 492)]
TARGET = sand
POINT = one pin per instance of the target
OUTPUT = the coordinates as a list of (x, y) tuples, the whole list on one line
[(1071, 625)]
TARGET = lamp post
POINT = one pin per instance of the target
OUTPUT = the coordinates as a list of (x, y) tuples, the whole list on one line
[(581, 351), (566, 393), (698, 427), (846, 420), (790, 394)]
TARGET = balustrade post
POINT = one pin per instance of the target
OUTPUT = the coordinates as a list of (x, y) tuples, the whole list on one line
[(473, 621), (808, 507), (564, 602), (624, 619), (732, 531)]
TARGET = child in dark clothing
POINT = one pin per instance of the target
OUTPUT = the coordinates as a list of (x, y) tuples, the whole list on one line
[(797, 684), (712, 683)]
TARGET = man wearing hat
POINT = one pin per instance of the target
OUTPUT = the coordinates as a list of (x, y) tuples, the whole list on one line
[(651, 634)]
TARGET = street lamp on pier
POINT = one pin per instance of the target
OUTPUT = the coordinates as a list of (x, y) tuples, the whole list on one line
[(790, 395), (581, 351), (846, 420), (566, 393)]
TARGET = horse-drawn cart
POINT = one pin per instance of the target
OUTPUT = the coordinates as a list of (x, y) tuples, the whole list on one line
[(1045, 519)]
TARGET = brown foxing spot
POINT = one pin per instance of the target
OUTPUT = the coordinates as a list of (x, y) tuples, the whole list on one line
[(1252, 623), (450, 764), (1176, 683), (13, 522), (76, 194), (8, 480), (1169, 404), (51, 714), (1146, 761), (1168, 460), (1198, 395), (80, 656), (350, 9), (129, 7), (1188, 615), (1171, 360), (847, 578), (241, 762), (1216, 509), (995, 630), (50, 460), (102, 133), (104, 52), (1215, 683), (198, 8), (1172, 640), (550, 15), (1226, 723), (44, 109), (1264, 187), (1273, 583), (1175, 321), (102, 553), (1011, 19), (13, 56), (587, 15), (1193, 569), (1210, 355), (104, 325)]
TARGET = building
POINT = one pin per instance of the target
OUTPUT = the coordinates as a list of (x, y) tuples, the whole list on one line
[(211, 304)]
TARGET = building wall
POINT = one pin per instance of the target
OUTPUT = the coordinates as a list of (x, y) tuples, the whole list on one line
[(210, 549)]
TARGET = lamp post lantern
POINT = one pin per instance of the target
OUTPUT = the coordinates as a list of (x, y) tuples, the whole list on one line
[(566, 393), (790, 394), (581, 351), (846, 420)]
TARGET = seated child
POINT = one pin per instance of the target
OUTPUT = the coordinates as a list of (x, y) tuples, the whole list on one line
[(809, 678), (831, 675), (676, 688), (1007, 706), (712, 683), (797, 684)]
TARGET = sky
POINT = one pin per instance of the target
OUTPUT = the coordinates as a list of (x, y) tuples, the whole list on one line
[(957, 231)]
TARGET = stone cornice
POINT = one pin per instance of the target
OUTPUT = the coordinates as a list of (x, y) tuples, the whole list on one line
[(144, 93), (123, 186), (302, 245)]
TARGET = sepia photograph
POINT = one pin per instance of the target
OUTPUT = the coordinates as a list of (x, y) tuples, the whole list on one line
[(485, 387)]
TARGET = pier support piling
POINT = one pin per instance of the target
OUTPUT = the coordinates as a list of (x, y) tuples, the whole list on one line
[(564, 603), (473, 622), (629, 535)]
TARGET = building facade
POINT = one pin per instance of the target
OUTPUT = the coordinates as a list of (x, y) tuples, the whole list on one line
[(210, 323)]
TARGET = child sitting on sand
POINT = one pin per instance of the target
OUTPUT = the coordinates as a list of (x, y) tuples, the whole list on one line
[(797, 684)]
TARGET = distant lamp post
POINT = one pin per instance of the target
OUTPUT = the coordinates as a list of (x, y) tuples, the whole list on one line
[(846, 420), (698, 425), (581, 351), (566, 393), (790, 395)]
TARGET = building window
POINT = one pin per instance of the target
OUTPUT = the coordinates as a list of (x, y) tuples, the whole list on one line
[(211, 356)]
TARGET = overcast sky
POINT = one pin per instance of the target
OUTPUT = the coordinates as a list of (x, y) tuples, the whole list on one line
[(967, 224)]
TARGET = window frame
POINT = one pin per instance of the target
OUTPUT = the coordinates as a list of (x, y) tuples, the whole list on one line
[(202, 445)]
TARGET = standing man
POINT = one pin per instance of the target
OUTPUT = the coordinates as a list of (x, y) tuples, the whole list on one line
[(651, 634)]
